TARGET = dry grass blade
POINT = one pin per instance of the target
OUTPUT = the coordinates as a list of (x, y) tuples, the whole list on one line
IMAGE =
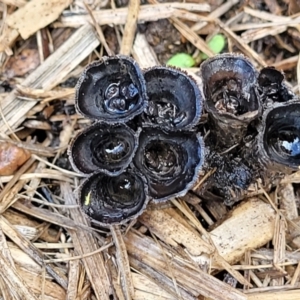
[(191, 36), (241, 44), (130, 27), (15, 178), (84, 242), (28, 248), (99, 30), (46, 215)]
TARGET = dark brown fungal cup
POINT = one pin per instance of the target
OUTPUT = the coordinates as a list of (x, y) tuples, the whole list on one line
[(175, 101), (170, 161), (103, 148), (231, 97), (111, 90), (279, 140), (109, 200)]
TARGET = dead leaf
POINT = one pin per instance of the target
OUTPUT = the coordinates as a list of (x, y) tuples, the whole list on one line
[(11, 158), (21, 64)]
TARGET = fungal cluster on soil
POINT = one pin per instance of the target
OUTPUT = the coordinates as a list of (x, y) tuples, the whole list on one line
[(146, 140), (141, 146)]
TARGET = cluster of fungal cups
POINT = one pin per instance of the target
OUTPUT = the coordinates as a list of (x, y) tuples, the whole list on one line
[(142, 145), (253, 115)]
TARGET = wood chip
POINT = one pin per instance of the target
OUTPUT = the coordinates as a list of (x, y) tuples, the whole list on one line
[(36, 14), (174, 232), (249, 226)]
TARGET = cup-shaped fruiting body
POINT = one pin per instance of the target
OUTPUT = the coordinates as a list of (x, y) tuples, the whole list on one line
[(169, 160), (231, 97), (103, 148), (272, 87), (111, 90), (109, 200), (175, 101), (278, 142)]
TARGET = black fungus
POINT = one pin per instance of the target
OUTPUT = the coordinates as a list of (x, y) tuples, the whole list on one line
[(111, 200), (279, 140), (111, 90), (231, 96), (272, 87), (103, 147), (169, 160), (175, 101), (230, 180)]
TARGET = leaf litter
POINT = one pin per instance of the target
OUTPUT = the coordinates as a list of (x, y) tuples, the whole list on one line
[(188, 248)]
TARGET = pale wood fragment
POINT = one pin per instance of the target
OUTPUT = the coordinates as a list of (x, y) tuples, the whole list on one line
[(17, 3), (123, 263), (218, 12), (36, 14), (84, 242), (28, 248), (249, 226), (279, 243), (14, 281), (118, 16), (143, 52), (73, 278), (16, 218), (7, 39), (52, 291), (172, 231), (115, 279), (130, 27), (192, 279), (147, 289), (50, 73), (276, 295)]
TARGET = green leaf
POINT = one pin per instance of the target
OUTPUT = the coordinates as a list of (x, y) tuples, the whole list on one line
[(216, 44), (181, 60)]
